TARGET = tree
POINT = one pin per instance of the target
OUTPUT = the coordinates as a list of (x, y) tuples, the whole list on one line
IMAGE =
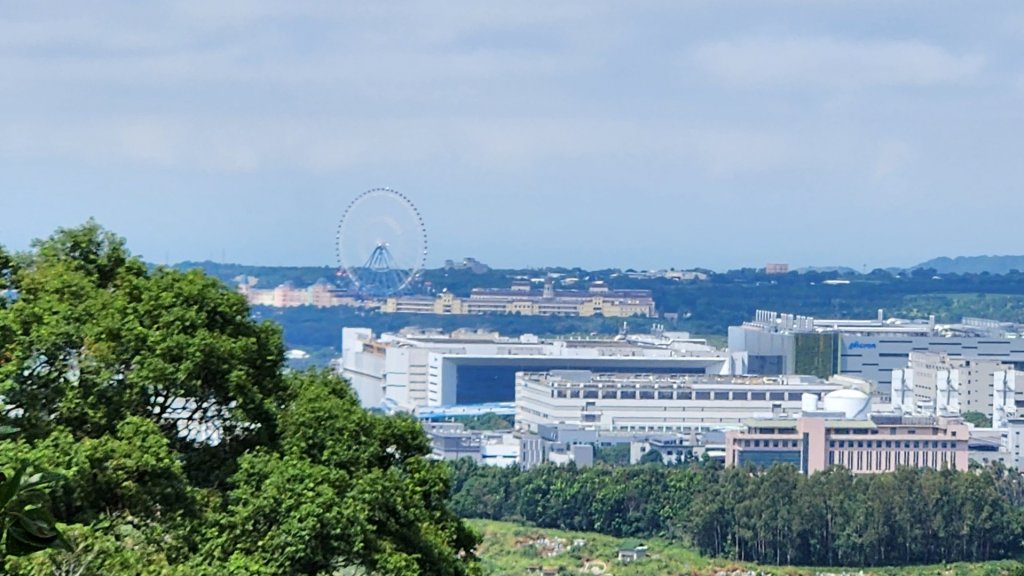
[(978, 419), (182, 444), (347, 488)]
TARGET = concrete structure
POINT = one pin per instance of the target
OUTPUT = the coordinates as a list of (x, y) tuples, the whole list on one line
[(812, 442), (774, 343), (521, 299), (632, 551), (665, 403), (937, 383), (451, 441), (413, 370)]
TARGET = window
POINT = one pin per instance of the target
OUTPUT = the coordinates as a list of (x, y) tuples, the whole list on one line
[(777, 396), (757, 396), (701, 395)]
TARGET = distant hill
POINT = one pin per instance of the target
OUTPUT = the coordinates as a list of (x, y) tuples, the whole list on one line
[(974, 264)]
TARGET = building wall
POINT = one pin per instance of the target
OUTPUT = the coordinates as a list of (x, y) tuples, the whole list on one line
[(863, 447), (651, 403)]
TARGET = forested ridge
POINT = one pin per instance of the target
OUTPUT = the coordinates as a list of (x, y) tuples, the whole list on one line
[(180, 443), (775, 516), (703, 307)]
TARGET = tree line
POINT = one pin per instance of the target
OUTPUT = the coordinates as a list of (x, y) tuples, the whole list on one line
[(774, 516)]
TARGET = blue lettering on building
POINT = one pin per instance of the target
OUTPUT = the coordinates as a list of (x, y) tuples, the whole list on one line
[(862, 346)]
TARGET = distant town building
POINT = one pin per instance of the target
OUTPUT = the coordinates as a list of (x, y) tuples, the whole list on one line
[(523, 300), (776, 268), (322, 294), (467, 263), (451, 441), (632, 551), (879, 444)]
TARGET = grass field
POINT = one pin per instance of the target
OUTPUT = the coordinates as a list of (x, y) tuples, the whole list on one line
[(516, 549)]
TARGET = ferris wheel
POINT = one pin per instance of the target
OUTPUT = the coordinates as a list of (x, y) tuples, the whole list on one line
[(381, 242)]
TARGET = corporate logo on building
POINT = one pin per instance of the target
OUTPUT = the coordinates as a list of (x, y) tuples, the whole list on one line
[(862, 346)]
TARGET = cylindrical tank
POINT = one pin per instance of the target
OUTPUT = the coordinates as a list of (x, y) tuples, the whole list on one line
[(855, 404), (808, 402)]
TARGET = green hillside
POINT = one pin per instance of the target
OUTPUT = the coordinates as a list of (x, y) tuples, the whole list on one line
[(510, 549)]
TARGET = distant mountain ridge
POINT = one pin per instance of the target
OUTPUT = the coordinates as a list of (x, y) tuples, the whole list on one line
[(974, 264)]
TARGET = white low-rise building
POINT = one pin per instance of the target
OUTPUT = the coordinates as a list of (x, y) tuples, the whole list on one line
[(415, 370), (646, 402)]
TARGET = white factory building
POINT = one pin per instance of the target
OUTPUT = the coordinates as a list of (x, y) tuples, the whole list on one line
[(677, 403), (940, 384), (413, 369)]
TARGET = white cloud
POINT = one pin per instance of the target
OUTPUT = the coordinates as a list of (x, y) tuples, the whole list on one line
[(833, 63)]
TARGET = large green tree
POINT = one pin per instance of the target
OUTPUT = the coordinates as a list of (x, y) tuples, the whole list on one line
[(181, 442)]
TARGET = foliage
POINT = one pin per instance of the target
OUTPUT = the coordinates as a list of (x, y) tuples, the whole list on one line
[(776, 516), (183, 445), (509, 548), (706, 307), (26, 526), (977, 419), (488, 421)]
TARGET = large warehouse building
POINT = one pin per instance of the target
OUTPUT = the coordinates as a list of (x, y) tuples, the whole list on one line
[(413, 370)]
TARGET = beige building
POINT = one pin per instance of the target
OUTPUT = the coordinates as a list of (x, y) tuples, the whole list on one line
[(521, 299), (882, 443)]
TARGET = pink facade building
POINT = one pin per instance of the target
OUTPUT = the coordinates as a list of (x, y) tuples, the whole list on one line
[(881, 443)]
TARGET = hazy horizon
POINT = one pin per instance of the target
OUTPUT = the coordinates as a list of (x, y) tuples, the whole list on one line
[(646, 135)]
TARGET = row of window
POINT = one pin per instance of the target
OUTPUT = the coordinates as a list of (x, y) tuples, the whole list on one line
[(675, 395), (887, 461), (769, 443), (933, 444)]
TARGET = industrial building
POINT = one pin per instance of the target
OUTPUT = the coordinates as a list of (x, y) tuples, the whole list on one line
[(523, 300), (415, 370), (774, 343), (451, 441), (845, 434), (940, 384), (647, 402)]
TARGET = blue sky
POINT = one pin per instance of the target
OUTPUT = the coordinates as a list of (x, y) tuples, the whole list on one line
[(641, 134)]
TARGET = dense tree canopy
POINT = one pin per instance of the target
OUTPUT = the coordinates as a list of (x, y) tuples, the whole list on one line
[(774, 516), (183, 445)]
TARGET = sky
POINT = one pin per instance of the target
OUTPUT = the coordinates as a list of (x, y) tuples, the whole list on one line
[(646, 134)]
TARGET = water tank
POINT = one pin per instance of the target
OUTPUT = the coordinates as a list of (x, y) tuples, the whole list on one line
[(855, 404), (808, 402)]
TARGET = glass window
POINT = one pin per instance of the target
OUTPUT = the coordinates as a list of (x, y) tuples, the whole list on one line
[(757, 396)]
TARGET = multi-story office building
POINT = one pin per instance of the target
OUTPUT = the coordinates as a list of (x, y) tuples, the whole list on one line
[(645, 402), (776, 343), (815, 441), (937, 383), (521, 299), (414, 370)]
